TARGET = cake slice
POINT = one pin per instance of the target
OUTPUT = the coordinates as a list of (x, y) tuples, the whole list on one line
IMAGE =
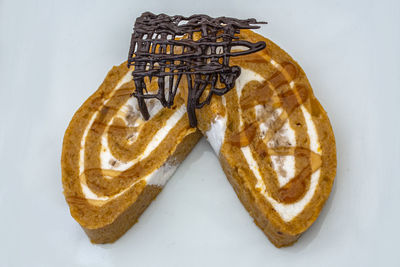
[(274, 142), (114, 163)]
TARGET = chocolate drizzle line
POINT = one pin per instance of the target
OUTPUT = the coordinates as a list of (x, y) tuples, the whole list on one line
[(204, 61)]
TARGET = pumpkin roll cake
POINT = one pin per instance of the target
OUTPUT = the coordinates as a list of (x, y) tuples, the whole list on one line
[(192, 76)]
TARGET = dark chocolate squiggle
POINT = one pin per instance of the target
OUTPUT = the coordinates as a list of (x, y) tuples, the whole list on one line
[(198, 47)]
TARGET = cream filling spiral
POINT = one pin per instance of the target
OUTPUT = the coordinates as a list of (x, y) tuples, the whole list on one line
[(159, 176)]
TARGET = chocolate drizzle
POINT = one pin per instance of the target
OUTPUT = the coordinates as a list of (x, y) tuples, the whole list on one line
[(199, 47)]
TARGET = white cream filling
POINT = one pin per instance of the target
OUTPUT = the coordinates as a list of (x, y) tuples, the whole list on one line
[(260, 185), (89, 194), (263, 129), (159, 176), (285, 136), (216, 134), (285, 164), (311, 131), (266, 124)]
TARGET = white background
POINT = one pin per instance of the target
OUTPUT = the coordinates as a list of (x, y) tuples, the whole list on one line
[(54, 54)]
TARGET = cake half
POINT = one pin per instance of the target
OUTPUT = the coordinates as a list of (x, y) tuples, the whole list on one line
[(114, 163), (274, 142)]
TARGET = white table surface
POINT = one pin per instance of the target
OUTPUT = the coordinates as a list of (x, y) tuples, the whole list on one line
[(54, 54)]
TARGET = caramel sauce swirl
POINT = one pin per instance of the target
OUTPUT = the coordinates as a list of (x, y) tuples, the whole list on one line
[(278, 90)]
